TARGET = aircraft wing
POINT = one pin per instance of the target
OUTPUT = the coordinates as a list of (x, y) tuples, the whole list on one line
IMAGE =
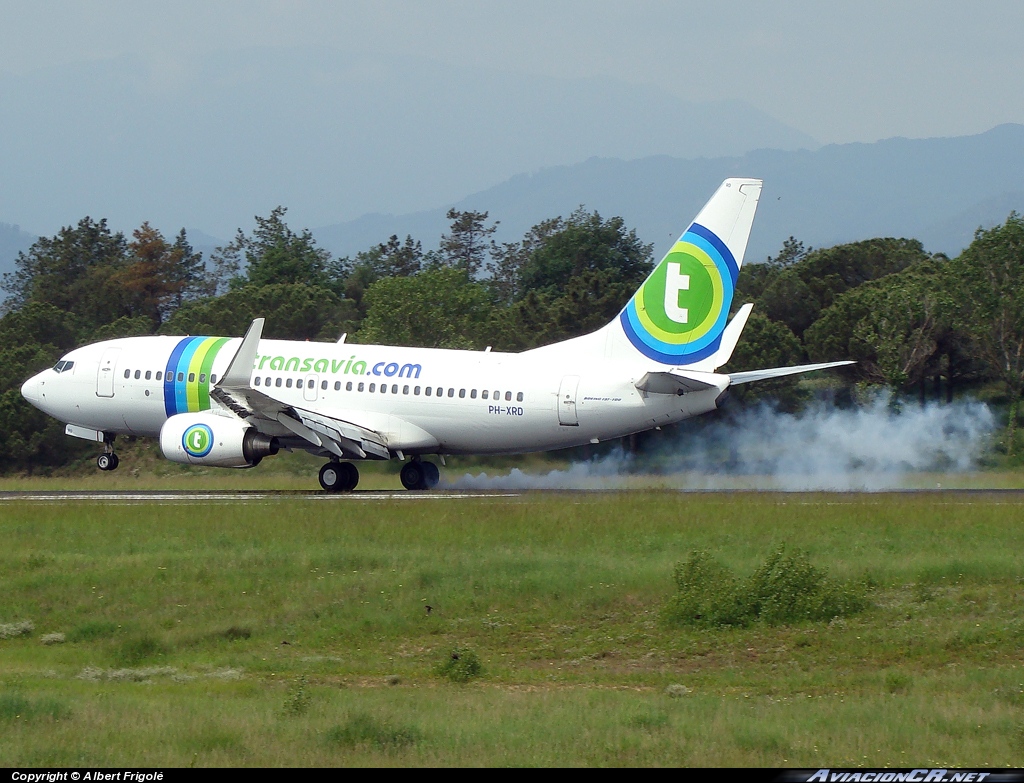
[(341, 438), (777, 372)]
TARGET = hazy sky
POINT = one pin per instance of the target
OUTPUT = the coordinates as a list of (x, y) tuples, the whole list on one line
[(840, 71)]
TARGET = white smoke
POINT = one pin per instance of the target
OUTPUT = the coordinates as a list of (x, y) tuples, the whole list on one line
[(873, 447)]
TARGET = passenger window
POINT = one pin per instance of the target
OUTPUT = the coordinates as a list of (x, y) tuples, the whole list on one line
[(191, 377), (149, 374), (202, 377), (373, 387), (485, 394), (127, 373), (360, 387), (138, 374), (440, 392), (405, 390), (497, 395), (416, 391), (159, 374), (277, 382), (323, 385), (256, 381), (213, 379), (394, 388), (472, 394), (519, 397), (181, 377), (428, 390), (288, 383), (266, 381), (462, 393), (298, 383), (451, 392), (508, 396), (348, 386), (383, 388)]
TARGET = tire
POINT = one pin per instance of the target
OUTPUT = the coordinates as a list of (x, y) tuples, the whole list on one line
[(331, 477), (412, 476), (103, 462), (114, 462), (350, 475), (431, 475)]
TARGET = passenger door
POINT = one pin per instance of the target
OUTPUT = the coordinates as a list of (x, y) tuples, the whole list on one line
[(567, 401), (105, 373)]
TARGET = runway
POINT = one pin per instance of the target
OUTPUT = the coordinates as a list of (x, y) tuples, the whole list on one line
[(186, 497)]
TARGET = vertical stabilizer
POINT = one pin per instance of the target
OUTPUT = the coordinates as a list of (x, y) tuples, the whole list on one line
[(678, 315)]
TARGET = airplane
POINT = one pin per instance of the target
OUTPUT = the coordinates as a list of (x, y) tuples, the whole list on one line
[(231, 402)]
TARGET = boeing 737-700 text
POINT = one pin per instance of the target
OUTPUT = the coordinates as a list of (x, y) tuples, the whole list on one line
[(230, 402)]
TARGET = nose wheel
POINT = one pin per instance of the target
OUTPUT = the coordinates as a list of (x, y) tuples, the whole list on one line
[(339, 477), (107, 461), (420, 475)]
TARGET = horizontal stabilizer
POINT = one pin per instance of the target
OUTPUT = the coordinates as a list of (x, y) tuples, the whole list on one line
[(737, 378), (680, 382)]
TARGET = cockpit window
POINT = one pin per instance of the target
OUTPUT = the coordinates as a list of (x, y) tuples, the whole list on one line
[(63, 366)]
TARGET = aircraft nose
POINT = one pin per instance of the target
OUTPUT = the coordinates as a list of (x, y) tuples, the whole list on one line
[(30, 390)]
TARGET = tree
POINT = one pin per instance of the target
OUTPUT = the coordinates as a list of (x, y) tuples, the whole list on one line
[(438, 308), (159, 276), (294, 311), (76, 271), (272, 254), (986, 282), (465, 247)]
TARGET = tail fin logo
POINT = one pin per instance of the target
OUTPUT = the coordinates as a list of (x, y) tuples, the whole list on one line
[(678, 315)]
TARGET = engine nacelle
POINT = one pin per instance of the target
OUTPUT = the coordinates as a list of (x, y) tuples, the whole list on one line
[(209, 439)]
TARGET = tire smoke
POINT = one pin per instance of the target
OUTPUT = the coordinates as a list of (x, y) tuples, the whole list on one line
[(877, 446)]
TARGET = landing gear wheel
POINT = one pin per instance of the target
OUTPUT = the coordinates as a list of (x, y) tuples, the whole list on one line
[(413, 476), (107, 461), (339, 476), (431, 475)]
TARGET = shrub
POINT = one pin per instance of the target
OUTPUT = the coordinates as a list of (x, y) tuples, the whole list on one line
[(134, 651), (13, 630), (92, 630), (460, 666), (297, 702), (785, 589), (364, 729)]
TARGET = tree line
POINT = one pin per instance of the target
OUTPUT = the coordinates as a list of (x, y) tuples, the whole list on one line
[(914, 321)]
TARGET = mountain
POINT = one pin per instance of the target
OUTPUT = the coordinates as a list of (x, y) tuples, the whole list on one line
[(213, 140), (936, 190)]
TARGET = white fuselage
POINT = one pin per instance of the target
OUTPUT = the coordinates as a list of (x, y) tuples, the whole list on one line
[(420, 400)]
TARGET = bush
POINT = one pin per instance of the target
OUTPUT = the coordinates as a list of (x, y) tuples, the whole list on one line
[(785, 589), (460, 666), (132, 652), (363, 729)]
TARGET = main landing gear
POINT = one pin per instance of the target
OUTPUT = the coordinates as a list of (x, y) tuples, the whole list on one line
[(420, 475), (108, 459), (339, 476)]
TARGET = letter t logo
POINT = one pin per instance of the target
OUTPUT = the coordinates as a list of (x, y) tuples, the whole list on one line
[(675, 282)]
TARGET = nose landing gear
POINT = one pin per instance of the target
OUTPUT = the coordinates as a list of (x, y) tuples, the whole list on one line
[(339, 477), (420, 475), (108, 459)]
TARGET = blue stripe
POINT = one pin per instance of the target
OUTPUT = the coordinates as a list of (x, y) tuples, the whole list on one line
[(181, 387), (719, 245), (667, 358), (170, 408)]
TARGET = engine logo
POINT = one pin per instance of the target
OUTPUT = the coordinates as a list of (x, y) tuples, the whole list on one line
[(197, 440)]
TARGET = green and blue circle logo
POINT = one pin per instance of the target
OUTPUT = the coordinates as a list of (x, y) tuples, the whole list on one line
[(678, 315), (197, 440)]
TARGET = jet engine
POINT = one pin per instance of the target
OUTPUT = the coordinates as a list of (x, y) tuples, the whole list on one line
[(209, 439)]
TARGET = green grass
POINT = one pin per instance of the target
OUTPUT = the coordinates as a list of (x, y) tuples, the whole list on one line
[(294, 631)]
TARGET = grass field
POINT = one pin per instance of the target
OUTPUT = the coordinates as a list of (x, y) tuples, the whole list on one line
[(294, 631)]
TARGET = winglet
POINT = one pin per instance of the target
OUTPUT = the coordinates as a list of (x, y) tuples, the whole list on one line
[(240, 369)]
